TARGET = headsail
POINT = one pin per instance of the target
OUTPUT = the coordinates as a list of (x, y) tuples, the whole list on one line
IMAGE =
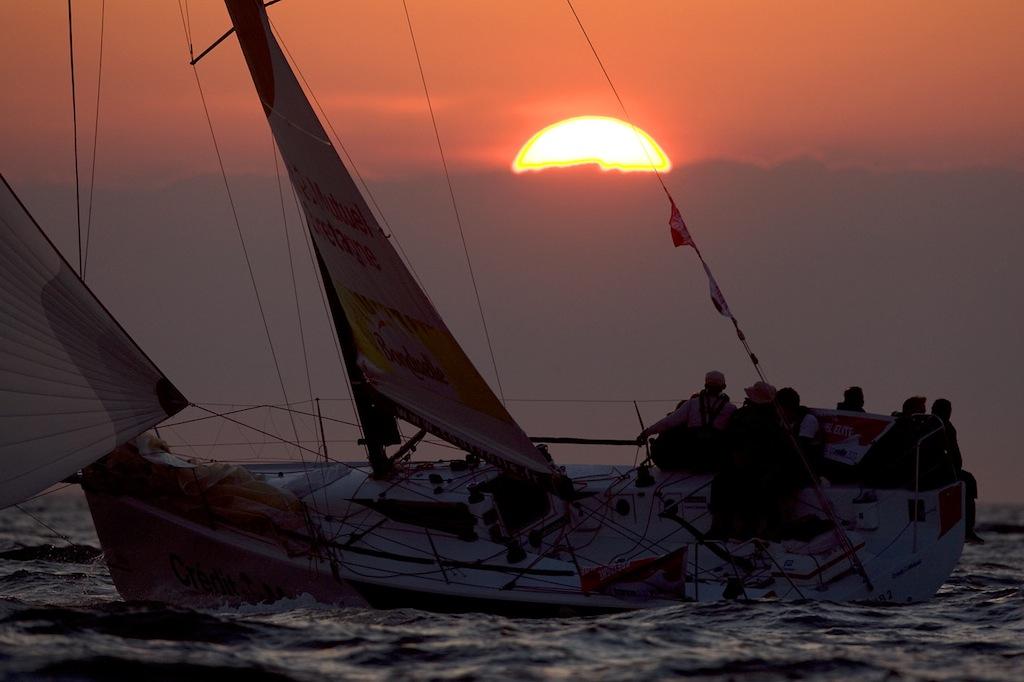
[(73, 384), (403, 351)]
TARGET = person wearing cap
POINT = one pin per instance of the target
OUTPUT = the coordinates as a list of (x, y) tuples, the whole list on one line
[(747, 497), (694, 431)]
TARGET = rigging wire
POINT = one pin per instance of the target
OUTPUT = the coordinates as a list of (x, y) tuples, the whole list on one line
[(95, 139), (661, 181), (309, 238), (308, 241), (291, 267), (455, 206), (348, 157), (840, 534), (183, 9), (45, 525), (622, 105), (74, 123), (276, 438)]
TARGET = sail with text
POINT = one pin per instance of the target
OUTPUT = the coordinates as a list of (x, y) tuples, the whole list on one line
[(397, 347), (73, 384)]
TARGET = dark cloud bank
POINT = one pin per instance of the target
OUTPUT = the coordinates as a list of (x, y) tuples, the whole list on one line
[(903, 282)]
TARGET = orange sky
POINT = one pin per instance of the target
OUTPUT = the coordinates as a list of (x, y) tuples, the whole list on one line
[(878, 84)]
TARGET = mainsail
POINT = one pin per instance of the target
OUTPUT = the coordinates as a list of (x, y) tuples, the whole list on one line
[(73, 384), (398, 349)]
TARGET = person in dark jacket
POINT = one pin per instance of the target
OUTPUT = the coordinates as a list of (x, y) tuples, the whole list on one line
[(915, 404), (853, 400), (802, 425), (943, 409), (911, 454), (747, 496)]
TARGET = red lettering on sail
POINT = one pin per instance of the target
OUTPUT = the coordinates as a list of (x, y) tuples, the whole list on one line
[(362, 253), (349, 214)]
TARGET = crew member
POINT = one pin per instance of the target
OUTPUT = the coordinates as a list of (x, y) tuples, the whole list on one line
[(746, 497), (943, 409), (799, 421), (853, 400), (915, 404), (693, 435)]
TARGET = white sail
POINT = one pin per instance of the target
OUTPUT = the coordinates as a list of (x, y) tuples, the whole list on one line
[(403, 350), (73, 384)]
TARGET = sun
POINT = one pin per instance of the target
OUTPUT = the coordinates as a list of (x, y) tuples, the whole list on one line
[(602, 140)]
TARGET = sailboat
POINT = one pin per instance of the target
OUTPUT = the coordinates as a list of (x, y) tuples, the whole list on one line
[(500, 529)]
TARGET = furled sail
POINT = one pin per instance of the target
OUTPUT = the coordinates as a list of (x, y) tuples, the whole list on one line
[(403, 350), (73, 384)]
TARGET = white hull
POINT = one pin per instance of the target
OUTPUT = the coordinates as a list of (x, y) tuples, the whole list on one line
[(425, 541)]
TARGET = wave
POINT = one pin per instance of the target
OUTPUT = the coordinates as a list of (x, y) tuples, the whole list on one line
[(1001, 528), (70, 554), (136, 621), (116, 668)]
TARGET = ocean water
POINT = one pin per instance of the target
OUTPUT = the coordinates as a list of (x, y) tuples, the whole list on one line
[(61, 619)]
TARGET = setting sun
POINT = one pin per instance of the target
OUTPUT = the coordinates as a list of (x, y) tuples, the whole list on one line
[(601, 140)]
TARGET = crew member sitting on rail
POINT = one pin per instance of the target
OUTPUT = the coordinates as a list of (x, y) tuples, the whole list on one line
[(943, 409), (693, 436)]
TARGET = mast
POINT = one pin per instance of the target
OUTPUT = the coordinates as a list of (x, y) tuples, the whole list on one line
[(376, 416)]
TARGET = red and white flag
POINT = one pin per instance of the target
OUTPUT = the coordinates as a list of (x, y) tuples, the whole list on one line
[(716, 294), (680, 235)]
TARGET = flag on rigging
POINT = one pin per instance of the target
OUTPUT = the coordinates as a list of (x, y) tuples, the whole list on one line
[(680, 235), (716, 294)]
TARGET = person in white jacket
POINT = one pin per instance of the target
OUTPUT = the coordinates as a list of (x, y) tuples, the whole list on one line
[(692, 434)]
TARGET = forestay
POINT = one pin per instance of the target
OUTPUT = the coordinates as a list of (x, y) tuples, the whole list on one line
[(73, 384), (402, 348)]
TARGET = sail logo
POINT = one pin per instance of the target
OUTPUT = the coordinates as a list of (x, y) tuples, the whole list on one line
[(362, 253), (350, 214), (419, 366)]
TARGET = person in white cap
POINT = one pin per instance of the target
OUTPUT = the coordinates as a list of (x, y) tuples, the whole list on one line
[(695, 429)]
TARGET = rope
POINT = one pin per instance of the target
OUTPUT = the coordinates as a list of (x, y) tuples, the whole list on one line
[(74, 123), (273, 436), (582, 401), (95, 139), (45, 525), (183, 9), (348, 157), (330, 319), (615, 91), (840, 534), (234, 215), (291, 268), (249, 408), (455, 207)]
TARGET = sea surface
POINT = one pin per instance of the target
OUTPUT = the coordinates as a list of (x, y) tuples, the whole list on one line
[(62, 619)]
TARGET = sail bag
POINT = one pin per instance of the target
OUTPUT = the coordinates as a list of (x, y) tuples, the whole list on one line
[(73, 384), (403, 350)]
